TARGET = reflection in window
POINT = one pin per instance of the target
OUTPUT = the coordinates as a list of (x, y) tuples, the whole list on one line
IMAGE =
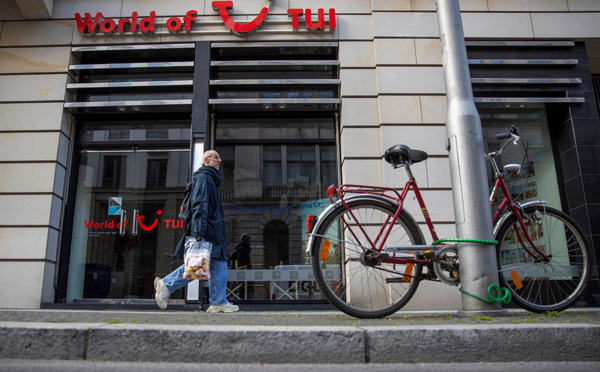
[(224, 93), (276, 129), (275, 170), (157, 173), (115, 171), (157, 134), (118, 134), (328, 167), (272, 169), (138, 130), (301, 165), (303, 171), (276, 238)]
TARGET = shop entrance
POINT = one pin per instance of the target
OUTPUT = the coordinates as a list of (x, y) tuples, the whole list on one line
[(129, 187)]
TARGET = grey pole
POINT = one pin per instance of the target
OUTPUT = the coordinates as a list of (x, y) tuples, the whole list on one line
[(467, 167)]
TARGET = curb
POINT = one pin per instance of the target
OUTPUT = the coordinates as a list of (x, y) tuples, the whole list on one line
[(485, 343), (296, 344)]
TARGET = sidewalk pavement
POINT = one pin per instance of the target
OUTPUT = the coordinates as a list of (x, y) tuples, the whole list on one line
[(298, 337)]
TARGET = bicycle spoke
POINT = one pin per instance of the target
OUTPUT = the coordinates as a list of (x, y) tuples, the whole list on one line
[(362, 287), (554, 282)]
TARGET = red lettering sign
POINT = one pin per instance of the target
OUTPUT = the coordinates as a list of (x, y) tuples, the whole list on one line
[(108, 26), (238, 28)]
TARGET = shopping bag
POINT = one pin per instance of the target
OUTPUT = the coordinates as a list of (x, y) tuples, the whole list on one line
[(197, 259)]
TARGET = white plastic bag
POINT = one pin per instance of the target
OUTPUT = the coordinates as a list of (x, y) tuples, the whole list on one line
[(197, 259)]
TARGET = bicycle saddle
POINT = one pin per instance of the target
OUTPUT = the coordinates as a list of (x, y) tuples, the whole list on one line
[(400, 154)]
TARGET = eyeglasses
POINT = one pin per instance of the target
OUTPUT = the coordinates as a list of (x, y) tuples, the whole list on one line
[(216, 157)]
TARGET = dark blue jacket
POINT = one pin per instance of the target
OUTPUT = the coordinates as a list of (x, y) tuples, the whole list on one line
[(208, 219)]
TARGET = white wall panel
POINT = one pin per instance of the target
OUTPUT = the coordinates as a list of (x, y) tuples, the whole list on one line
[(27, 88), (405, 24), (28, 60), (439, 203), (341, 6), (433, 109), (356, 54), (355, 27), (432, 173), (410, 80), (403, 5), (359, 111), (29, 147), (27, 177), (399, 109), (360, 142), (428, 51), (67, 8), (28, 243), (395, 52), (37, 33), (497, 25), (527, 6), (438, 172), (9, 11), (473, 5), (22, 293), (362, 171), (566, 25), (583, 5), (37, 211), (30, 116), (358, 82)]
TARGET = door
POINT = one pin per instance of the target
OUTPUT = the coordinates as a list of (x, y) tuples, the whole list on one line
[(125, 224)]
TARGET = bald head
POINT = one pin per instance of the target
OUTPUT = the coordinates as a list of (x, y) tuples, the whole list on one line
[(211, 158)]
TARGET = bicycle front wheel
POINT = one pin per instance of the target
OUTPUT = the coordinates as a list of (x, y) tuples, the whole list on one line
[(537, 284), (347, 264)]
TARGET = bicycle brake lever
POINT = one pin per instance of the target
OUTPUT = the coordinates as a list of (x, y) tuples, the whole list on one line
[(514, 130), (514, 133)]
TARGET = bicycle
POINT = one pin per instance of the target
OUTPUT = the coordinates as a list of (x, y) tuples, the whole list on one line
[(369, 254)]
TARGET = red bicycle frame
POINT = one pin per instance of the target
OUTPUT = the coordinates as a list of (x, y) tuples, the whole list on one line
[(378, 243)]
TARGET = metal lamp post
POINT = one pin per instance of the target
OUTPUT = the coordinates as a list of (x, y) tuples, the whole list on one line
[(478, 269)]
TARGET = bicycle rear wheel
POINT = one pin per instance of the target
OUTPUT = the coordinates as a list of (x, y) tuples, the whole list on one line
[(537, 285), (344, 262)]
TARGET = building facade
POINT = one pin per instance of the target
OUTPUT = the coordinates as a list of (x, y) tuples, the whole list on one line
[(106, 108)]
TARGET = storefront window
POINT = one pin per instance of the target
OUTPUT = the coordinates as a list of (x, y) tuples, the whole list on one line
[(141, 172), (537, 179), (275, 173)]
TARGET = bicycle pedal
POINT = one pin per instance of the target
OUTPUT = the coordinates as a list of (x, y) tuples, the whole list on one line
[(395, 280), (429, 255)]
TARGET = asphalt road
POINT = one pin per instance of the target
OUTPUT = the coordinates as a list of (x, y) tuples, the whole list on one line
[(76, 366)]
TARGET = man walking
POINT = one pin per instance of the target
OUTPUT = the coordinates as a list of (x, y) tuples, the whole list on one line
[(207, 223)]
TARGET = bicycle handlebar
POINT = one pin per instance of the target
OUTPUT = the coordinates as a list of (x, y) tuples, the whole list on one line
[(514, 132), (512, 136)]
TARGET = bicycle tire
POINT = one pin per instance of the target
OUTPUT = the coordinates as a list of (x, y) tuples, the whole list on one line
[(357, 288), (556, 284)]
